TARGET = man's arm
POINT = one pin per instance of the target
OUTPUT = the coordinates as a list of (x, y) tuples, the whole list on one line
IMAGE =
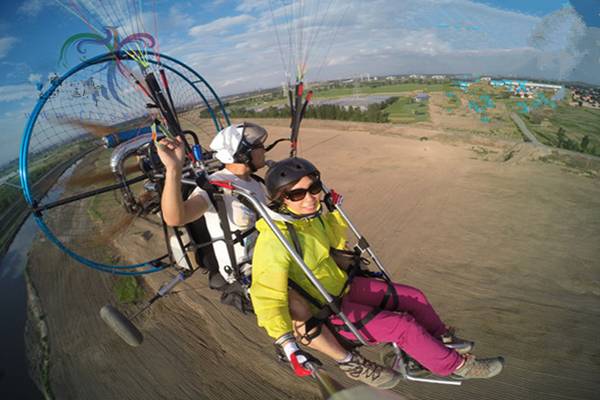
[(177, 212)]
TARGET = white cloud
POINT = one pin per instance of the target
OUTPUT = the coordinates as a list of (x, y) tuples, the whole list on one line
[(34, 78), (6, 43), (436, 36), (32, 8), (220, 25), (17, 92), (179, 18), (252, 5), (231, 82)]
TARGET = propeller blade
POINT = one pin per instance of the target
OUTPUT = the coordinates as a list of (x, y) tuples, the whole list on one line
[(99, 129), (112, 231), (100, 177)]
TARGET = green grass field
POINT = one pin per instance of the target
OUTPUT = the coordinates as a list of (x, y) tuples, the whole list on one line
[(405, 110), (400, 88), (323, 94), (576, 123), (128, 290)]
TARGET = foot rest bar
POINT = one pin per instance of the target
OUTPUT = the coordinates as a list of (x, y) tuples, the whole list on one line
[(400, 365), (433, 380)]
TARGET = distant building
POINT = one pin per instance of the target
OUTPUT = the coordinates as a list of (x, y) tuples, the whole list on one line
[(485, 79), (527, 86), (422, 97)]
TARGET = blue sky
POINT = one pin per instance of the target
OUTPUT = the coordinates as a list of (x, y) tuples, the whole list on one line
[(232, 43)]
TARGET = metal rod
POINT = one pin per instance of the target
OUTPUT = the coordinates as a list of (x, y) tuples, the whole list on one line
[(162, 291), (359, 236), (261, 210), (400, 366), (85, 195), (432, 380), (327, 385)]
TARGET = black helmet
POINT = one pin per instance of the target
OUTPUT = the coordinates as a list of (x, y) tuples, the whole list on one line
[(287, 171)]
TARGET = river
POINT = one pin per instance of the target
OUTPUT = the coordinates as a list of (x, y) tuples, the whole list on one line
[(15, 382)]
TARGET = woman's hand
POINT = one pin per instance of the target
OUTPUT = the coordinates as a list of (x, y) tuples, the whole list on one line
[(299, 359), (171, 153)]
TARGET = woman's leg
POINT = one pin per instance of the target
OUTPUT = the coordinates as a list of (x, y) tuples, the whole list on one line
[(353, 364), (326, 343), (370, 292), (406, 332)]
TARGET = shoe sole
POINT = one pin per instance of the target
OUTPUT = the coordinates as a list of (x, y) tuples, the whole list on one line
[(467, 348), (389, 385), (460, 378)]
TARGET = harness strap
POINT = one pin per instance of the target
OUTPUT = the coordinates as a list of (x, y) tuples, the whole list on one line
[(257, 178), (294, 236), (222, 211), (239, 238), (314, 325), (389, 293), (219, 205), (325, 310)]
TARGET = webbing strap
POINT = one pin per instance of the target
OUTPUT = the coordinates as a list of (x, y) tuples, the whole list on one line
[(294, 237), (239, 238), (219, 204), (389, 293), (304, 294), (324, 310)]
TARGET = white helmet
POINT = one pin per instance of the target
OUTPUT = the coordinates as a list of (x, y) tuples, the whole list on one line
[(234, 143)]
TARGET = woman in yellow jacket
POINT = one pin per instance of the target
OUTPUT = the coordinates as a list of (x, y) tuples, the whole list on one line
[(294, 187)]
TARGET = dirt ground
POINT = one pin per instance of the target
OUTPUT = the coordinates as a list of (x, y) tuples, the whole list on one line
[(506, 251)]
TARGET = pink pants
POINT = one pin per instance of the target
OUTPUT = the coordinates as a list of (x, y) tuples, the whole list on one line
[(413, 324)]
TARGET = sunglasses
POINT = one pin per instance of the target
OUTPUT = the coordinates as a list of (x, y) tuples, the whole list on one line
[(300, 194)]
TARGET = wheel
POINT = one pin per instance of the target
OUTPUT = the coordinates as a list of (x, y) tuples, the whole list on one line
[(121, 325)]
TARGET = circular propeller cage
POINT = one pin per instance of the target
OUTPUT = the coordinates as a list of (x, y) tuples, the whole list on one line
[(69, 176)]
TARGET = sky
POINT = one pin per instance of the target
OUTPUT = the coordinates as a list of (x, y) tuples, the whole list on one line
[(241, 45)]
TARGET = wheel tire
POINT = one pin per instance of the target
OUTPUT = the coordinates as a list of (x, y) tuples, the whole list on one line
[(121, 325)]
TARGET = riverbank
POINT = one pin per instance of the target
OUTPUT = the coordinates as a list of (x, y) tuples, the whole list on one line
[(13, 218), (36, 341), (505, 250)]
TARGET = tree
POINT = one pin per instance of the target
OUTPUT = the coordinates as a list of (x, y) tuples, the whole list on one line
[(561, 137), (585, 141)]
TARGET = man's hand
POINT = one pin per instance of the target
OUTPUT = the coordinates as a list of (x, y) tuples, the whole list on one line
[(171, 153)]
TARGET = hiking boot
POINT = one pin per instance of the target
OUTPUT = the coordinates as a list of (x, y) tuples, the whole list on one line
[(413, 368), (461, 346), (373, 374), (484, 368)]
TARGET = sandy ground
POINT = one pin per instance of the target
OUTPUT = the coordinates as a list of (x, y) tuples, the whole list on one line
[(506, 251)]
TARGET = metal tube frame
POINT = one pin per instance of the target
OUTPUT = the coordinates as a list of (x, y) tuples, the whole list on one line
[(400, 365), (360, 237), (399, 361), (264, 214)]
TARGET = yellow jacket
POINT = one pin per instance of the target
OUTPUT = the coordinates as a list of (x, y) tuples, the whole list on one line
[(272, 265)]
